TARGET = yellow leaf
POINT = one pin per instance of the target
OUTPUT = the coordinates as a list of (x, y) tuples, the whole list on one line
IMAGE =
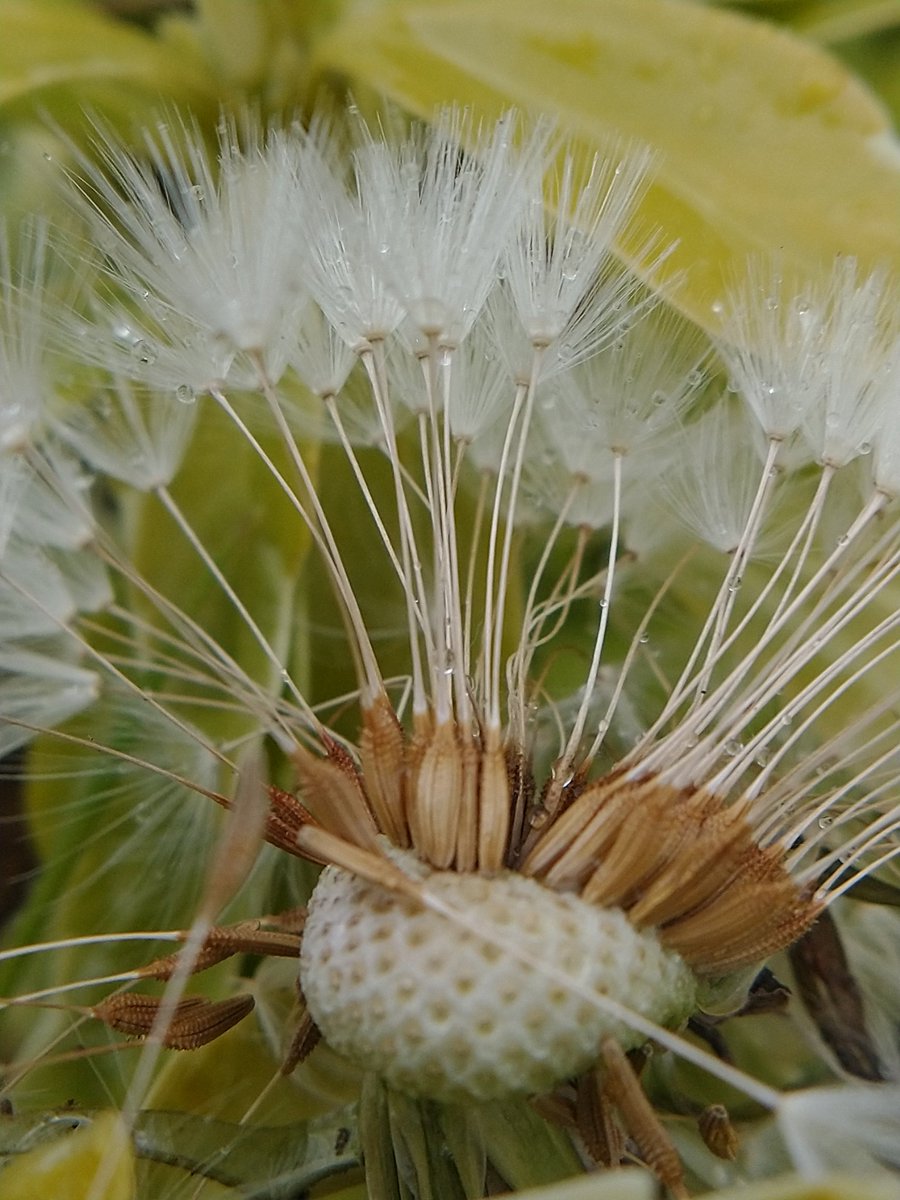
[(225, 1078), (93, 1162), (615, 1185), (766, 144), (831, 1187), (827, 21)]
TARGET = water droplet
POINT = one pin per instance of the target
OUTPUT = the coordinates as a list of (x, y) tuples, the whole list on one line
[(864, 448), (644, 639), (718, 307), (143, 352), (733, 747), (185, 394), (825, 822), (763, 755)]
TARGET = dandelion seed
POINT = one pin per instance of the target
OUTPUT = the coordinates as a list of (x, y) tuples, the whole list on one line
[(218, 254)]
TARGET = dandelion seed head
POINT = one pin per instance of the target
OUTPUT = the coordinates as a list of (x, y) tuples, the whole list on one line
[(448, 409)]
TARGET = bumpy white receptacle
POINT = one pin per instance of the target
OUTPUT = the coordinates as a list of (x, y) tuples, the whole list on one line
[(440, 1012)]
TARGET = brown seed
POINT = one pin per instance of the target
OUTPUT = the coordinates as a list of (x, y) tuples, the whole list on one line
[(435, 797), (624, 1089), (306, 1038), (494, 815), (194, 1020), (222, 942), (331, 788), (382, 754), (286, 816), (595, 1122), (466, 857), (718, 1132)]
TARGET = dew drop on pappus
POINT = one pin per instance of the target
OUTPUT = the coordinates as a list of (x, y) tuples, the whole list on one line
[(143, 352)]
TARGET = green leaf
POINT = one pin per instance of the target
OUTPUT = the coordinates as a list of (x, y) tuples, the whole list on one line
[(766, 144), (265, 1162), (420, 1149), (525, 1149), (375, 1135)]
